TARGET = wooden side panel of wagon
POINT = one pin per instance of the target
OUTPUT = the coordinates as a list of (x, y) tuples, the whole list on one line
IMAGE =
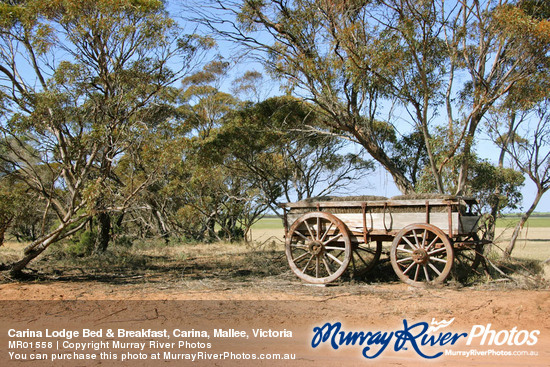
[(381, 223)]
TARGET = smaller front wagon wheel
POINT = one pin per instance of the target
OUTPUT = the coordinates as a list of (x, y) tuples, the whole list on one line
[(421, 254)]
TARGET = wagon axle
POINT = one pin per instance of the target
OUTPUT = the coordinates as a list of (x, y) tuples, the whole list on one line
[(316, 248), (420, 256)]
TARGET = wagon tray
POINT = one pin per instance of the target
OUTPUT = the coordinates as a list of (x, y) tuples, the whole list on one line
[(381, 216)]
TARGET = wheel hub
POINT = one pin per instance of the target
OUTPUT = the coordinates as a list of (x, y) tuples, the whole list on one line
[(316, 248), (420, 256)]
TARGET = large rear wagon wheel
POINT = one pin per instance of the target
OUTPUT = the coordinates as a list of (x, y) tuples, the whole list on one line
[(318, 247), (468, 255), (364, 258), (421, 254)]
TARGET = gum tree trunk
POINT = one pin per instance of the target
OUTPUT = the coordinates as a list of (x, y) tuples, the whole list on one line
[(104, 232), (521, 224)]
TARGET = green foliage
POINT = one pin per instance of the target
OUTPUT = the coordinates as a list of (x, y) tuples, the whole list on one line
[(19, 210), (409, 154), (280, 144), (196, 197), (249, 84), (539, 9), (496, 187), (94, 126), (82, 245), (354, 59), (123, 241)]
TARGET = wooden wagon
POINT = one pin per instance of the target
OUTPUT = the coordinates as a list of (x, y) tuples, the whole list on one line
[(428, 234)]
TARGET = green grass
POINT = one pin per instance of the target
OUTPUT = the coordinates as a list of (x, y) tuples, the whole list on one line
[(268, 223), (533, 222)]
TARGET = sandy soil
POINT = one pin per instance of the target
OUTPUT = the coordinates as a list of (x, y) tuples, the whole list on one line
[(297, 307), (280, 302)]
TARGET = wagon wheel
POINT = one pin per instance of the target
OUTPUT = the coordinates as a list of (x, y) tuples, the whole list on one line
[(365, 256), (318, 247), (420, 254), (468, 258), (467, 261)]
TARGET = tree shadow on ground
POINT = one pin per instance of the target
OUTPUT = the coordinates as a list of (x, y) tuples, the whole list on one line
[(129, 266), (137, 268)]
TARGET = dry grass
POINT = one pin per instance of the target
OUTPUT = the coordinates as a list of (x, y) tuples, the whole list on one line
[(261, 263), (529, 266), (533, 243)]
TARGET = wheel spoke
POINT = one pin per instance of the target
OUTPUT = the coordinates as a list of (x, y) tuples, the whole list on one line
[(307, 264), (409, 268), (326, 232), (405, 250), (426, 273), (404, 259), (409, 242), (367, 250), (431, 243), (416, 239), (438, 259), (333, 238), (317, 267), (437, 251), (309, 230), (296, 259), (364, 257), (424, 238), (416, 272), (326, 266), (360, 258), (334, 258), (318, 228), (337, 248), (298, 245), (434, 269), (301, 235)]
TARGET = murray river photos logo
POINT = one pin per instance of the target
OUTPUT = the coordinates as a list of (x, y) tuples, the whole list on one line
[(423, 338)]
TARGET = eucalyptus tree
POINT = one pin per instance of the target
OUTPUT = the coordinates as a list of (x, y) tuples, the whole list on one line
[(520, 123), (280, 146), (81, 83), (197, 197), (532, 157), (445, 64), (526, 143), (15, 206)]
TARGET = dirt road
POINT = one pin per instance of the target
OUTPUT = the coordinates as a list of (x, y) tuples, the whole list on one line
[(233, 287), (294, 307)]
